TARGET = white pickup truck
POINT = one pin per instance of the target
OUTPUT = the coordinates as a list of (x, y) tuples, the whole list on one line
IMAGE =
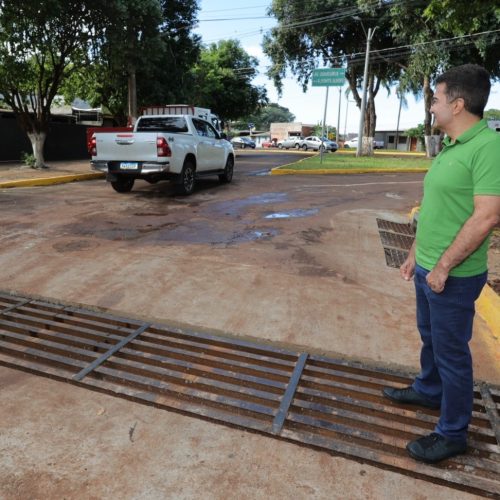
[(163, 147)]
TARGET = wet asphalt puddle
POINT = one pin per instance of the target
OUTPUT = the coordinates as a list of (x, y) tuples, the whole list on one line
[(193, 221)]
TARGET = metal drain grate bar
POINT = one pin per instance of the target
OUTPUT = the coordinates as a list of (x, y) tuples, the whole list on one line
[(279, 419), (396, 240), (79, 376), (312, 400), (395, 227), (15, 306), (491, 409)]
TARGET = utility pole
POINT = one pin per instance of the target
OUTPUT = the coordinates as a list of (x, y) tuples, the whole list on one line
[(323, 127), (369, 37), (399, 116), (337, 135)]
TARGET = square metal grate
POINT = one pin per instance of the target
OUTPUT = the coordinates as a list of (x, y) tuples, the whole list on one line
[(397, 240)]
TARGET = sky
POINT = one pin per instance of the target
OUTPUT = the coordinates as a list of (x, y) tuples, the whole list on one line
[(246, 21)]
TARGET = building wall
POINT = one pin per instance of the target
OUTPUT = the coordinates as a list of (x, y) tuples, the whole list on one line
[(280, 131), (65, 141)]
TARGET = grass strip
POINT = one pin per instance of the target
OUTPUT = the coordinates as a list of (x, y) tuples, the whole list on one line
[(334, 161)]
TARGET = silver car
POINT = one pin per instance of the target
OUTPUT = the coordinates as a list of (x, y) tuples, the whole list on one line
[(316, 144), (291, 142)]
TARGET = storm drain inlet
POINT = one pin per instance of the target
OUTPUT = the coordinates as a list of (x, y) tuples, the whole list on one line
[(325, 403)]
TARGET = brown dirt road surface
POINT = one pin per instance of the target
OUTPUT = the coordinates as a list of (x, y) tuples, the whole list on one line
[(296, 261)]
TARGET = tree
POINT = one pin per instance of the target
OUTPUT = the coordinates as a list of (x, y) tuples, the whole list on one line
[(271, 113), (332, 31), (439, 32), (418, 132), (492, 114), (147, 46), (222, 81), (41, 43)]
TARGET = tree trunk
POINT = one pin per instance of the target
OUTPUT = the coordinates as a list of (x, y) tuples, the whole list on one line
[(37, 140), (430, 150), (132, 96), (370, 123)]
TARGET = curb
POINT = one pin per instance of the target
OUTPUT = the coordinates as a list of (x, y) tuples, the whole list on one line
[(343, 171), (46, 181), (488, 307)]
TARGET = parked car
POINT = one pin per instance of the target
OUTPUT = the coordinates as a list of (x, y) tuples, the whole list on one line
[(268, 144), (332, 145), (291, 142), (242, 142), (353, 143), (316, 144)]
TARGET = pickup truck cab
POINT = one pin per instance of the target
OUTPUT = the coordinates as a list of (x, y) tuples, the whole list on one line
[(163, 147)]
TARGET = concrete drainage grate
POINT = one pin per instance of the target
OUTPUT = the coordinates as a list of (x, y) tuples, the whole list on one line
[(329, 404), (397, 240)]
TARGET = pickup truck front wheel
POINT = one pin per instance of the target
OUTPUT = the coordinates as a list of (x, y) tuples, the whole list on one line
[(227, 176), (123, 184), (185, 184)]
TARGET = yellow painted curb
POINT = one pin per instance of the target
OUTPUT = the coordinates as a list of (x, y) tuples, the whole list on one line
[(488, 307), (290, 171), (46, 181)]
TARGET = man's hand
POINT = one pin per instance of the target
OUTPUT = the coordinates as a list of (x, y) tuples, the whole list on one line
[(407, 269), (436, 279)]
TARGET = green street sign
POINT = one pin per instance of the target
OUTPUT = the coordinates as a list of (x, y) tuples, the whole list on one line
[(328, 77)]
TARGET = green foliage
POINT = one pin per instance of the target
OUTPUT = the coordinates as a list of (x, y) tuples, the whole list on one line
[(262, 119), (38, 41), (222, 81), (150, 39), (41, 43), (492, 114), (28, 159), (312, 33), (418, 132)]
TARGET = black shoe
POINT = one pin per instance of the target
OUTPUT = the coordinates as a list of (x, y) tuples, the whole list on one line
[(408, 396), (434, 448)]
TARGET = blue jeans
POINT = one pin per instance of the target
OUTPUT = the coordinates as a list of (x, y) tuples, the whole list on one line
[(444, 321)]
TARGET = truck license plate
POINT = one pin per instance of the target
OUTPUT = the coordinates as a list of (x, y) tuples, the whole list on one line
[(129, 165)]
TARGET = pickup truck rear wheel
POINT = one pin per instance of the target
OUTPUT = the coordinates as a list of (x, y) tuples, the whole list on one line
[(123, 184), (227, 176), (297, 146), (185, 185)]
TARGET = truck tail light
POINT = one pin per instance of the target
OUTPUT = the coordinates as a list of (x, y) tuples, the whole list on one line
[(93, 147), (162, 147)]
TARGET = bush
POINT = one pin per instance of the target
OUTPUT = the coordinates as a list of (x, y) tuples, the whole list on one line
[(28, 159)]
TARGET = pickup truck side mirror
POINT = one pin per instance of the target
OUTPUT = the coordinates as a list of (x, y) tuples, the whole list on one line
[(223, 135)]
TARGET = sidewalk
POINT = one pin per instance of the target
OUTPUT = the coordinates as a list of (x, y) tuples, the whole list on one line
[(19, 175)]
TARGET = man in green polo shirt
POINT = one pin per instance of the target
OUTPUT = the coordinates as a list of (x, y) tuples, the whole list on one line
[(460, 207)]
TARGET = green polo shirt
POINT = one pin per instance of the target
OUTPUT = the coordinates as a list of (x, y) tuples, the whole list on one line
[(470, 166)]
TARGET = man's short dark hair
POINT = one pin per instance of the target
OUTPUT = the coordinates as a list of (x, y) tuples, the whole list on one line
[(471, 82)]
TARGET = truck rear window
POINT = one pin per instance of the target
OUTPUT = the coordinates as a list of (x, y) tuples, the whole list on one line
[(173, 124)]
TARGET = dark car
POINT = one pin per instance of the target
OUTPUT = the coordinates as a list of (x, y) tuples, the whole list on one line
[(242, 142)]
